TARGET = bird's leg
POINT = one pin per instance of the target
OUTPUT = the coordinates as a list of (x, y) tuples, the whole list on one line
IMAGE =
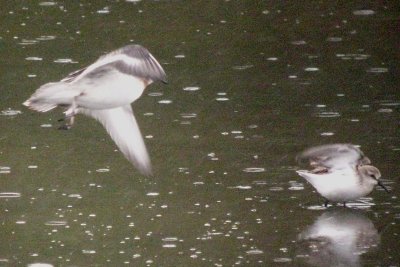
[(70, 115), (344, 203), (326, 203)]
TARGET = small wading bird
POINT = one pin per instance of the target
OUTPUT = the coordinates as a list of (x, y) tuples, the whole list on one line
[(105, 91), (341, 172)]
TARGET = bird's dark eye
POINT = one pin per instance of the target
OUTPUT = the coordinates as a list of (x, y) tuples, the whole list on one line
[(373, 176)]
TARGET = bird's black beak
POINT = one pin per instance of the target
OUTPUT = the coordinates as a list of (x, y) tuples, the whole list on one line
[(384, 187)]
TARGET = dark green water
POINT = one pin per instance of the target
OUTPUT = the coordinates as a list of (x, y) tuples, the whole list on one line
[(251, 84)]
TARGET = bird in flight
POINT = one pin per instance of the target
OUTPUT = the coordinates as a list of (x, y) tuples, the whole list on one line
[(105, 91)]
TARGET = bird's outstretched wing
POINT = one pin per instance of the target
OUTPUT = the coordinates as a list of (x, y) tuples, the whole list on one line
[(121, 125), (133, 60), (334, 156)]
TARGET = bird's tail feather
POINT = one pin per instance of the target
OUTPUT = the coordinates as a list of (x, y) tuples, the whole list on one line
[(50, 96)]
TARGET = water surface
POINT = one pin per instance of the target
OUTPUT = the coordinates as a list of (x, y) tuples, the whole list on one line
[(251, 83)]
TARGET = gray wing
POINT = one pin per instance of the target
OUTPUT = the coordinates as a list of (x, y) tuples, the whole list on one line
[(121, 125), (335, 156), (133, 60)]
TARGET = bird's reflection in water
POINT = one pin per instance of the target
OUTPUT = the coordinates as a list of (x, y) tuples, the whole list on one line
[(338, 238)]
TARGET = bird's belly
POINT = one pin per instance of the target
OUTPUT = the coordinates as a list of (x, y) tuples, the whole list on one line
[(110, 93), (342, 188)]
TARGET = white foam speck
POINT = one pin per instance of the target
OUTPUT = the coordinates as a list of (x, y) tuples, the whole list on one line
[(378, 70), (191, 88), (10, 112), (56, 223), (254, 252), (87, 251), (220, 99), (165, 101), (34, 58), (282, 260), (64, 61), (363, 12), (311, 69), (39, 264), (49, 3), (103, 170), (254, 169), (5, 170)]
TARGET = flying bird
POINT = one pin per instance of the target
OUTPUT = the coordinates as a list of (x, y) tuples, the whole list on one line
[(341, 172), (105, 91)]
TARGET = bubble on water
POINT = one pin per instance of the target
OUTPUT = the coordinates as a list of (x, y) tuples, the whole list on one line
[(241, 187), (39, 264), (78, 196), (363, 12), (55, 223), (243, 67), (46, 38), (334, 39), (105, 10), (276, 188), (254, 169), (295, 186), (378, 70), (155, 94), (28, 42), (299, 42), (188, 115), (34, 58), (48, 3), (282, 260), (5, 170), (88, 251), (169, 245), (254, 252), (103, 170), (316, 207), (10, 112), (191, 88), (65, 61), (311, 69), (165, 101), (328, 114), (385, 110)]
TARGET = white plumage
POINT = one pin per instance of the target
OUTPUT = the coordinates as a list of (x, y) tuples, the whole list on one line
[(104, 91), (341, 172)]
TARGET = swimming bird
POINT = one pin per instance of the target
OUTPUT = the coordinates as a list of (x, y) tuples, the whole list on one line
[(341, 172), (105, 91)]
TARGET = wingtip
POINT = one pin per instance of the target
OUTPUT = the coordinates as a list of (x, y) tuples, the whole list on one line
[(147, 171)]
